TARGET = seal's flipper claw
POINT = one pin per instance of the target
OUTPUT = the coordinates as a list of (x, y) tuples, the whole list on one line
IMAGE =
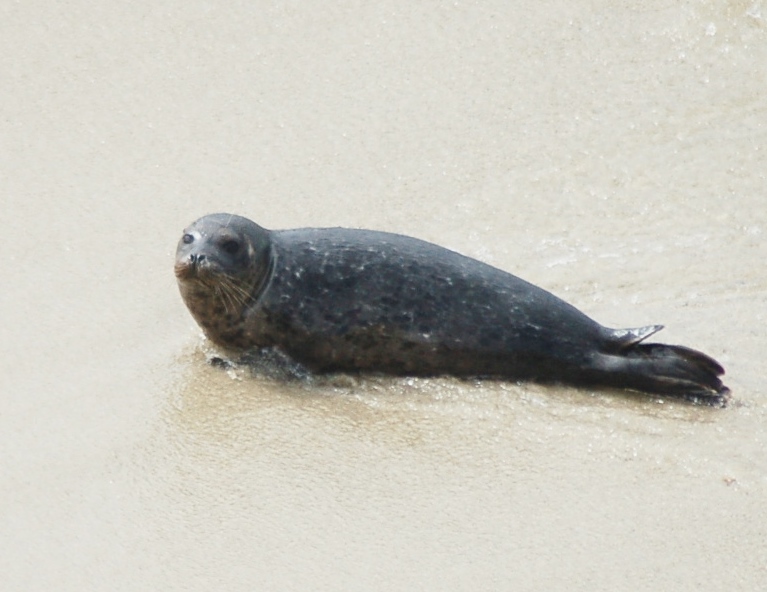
[(626, 338)]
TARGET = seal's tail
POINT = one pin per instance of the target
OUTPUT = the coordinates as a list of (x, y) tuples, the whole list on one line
[(671, 370)]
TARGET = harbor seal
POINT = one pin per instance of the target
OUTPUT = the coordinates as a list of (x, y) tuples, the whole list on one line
[(343, 300)]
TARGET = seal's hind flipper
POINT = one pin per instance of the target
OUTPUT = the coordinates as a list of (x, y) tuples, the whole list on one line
[(671, 370)]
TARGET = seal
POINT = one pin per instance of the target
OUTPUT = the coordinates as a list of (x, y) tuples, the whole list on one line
[(344, 300)]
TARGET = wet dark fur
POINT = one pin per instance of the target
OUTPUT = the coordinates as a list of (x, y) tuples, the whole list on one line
[(355, 300)]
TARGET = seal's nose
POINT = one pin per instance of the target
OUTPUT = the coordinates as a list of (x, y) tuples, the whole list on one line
[(196, 259)]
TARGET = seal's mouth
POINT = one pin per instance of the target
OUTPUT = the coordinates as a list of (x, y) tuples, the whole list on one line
[(207, 281), (194, 268)]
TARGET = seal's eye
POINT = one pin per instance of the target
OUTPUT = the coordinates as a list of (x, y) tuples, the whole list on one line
[(188, 239), (231, 246)]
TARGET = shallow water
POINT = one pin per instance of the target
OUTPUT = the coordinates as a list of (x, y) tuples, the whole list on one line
[(613, 153)]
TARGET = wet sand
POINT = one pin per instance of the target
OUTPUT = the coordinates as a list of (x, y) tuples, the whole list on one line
[(614, 154)]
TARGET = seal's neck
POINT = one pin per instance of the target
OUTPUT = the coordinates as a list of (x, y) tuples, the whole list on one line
[(206, 303)]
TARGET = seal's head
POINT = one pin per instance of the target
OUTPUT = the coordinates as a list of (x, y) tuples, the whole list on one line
[(222, 265)]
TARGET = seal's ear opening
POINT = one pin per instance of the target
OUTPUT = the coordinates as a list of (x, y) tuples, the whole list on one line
[(231, 246)]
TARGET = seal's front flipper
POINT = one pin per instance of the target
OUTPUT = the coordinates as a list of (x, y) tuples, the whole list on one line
[(274, 363)]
